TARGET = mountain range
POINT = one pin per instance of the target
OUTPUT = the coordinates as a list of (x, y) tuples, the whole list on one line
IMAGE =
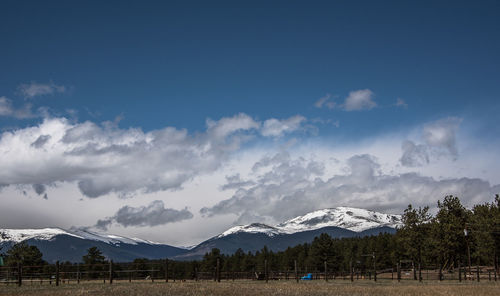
[(71, 245)]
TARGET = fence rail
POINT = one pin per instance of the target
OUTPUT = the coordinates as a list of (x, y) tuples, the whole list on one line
[(57, 274)]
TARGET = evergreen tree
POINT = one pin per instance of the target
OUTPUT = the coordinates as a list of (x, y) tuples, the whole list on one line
[(22, 253), (448, 231), (415, 231), (94, 256)]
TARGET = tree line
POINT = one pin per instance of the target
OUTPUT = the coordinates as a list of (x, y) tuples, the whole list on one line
[(444, 240)]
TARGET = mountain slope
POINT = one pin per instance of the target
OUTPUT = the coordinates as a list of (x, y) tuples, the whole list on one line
[(337, 222), (70, 245), (354, 219)]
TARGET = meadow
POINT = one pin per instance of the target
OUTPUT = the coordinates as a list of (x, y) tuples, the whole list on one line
[(254, 288)]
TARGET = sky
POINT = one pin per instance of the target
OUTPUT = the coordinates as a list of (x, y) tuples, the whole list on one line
[(175, 120)]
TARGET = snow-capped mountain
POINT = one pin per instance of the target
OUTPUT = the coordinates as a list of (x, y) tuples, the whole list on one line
[(70, 245), (336, 222), (253, 228), (19, 235), (108, 238), (353, 219)]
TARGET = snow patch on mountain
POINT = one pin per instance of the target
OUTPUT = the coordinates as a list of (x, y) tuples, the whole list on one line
[(353, 219), (19, 235), (252, 228), (108, 238)]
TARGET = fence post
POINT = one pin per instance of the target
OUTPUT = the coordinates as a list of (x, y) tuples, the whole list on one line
[(440, 272), (265, 270), (217, 272), (351, 270), (78, 273), (495, 272), (459, 272), (296, 273), (374, 268), (19, 274), (477, 273), (166, 270), (399, 272), (326, 273), (110, 272), (57, 273), (419, 272)]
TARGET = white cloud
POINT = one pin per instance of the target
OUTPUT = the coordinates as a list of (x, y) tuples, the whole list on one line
[(235, 181), (286, 187), (222, 128), (151, 215), (359, 100), (7, 109), (325, 101), (414, 155), (104, 159), (442, 134), (277, 128), (356, 100), (439, 140), (33, 89)]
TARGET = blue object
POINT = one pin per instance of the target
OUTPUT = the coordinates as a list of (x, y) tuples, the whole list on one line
[(307, 277)]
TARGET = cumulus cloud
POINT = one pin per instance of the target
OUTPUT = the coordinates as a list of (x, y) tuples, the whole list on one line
[(439, 139), (228, 125), (359, 100), (33, 89), (153, 214), (287, 187), (277, 128), (7, 109), (104, 159)]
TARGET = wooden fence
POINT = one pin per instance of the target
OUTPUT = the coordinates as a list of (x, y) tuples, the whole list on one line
[(57, 274)]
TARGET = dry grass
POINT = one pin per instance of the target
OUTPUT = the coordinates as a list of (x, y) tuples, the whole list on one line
[(253, 288)]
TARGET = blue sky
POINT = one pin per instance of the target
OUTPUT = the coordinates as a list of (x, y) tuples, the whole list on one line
[(176, 64)]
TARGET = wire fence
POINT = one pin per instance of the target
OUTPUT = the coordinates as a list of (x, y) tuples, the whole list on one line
[(57, 274)]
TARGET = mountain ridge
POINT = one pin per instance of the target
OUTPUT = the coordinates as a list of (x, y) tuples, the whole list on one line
[(338, 222)]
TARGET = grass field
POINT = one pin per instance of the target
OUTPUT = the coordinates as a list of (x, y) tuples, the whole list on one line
[(252, 288)]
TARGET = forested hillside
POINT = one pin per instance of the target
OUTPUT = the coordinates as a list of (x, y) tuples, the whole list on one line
[(437, 241)]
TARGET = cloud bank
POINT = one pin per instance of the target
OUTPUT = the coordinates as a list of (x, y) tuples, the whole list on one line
[(286, 187), (104, 159)]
